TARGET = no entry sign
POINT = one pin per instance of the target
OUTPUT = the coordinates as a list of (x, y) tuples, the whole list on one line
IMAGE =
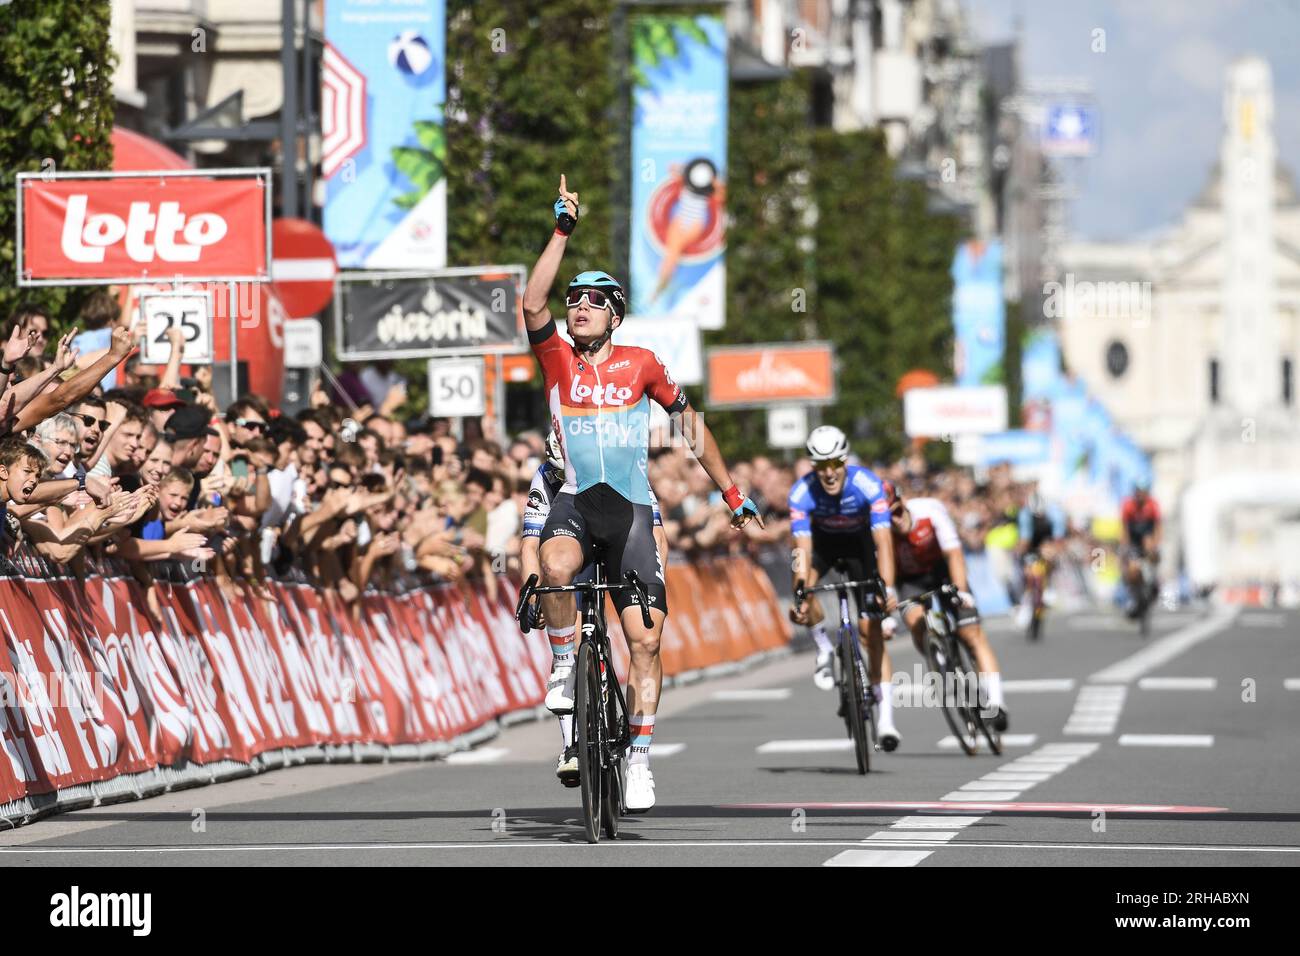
[(302, 267)]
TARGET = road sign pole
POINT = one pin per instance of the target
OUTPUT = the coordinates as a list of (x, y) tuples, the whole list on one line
[(234, 342)]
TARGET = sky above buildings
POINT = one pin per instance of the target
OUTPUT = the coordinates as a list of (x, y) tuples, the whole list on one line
[(1158, 89)]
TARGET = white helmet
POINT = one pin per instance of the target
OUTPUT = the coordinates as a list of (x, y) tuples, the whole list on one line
[(827, 443), (553, 453)]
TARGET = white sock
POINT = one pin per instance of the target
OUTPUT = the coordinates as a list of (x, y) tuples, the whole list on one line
[(885, 695), (818, 632), (566, 728), (561, 639), (993, 688)]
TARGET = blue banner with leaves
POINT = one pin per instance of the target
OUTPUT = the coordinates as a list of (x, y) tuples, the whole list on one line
[(978, 313), (679, 167), (383, 146)]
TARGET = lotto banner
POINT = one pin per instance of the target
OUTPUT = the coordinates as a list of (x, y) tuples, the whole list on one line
[(679, 168), (92, 228), (384, 152), (101, 677)]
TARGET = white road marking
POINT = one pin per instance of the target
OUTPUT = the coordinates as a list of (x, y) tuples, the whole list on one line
[(1044, 686), (805, 746), (1292, 683), (1166, 740), (877, 858), (957, 796), (1178, 683), (1164, 650), (1017, 776), (1038, 766), (758, 693), (1008, 740), (887, 835), (978, 785), (478, 755), (935, 822), (1096, 710), (665, 750)]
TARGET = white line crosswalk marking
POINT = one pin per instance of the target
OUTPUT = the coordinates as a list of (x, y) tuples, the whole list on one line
[(1166, 740), (1178, 683), (878, 858)]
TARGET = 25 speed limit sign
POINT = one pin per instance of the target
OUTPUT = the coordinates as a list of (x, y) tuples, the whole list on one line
[(456, 388), (191, 312)]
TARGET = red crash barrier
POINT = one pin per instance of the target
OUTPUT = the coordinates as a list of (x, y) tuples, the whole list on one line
[(100, 678)]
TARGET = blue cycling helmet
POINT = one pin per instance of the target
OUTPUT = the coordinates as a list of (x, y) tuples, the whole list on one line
[(595, 279)]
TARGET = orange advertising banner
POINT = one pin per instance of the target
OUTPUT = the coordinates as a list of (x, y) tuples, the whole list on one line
[(779, 373)]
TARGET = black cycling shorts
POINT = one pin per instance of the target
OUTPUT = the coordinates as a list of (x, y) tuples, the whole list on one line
[(911, 588), (857, 555), (602, 520)]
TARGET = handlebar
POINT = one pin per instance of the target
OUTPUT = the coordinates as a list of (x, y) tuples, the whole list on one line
[(530, 591), (801, 591), (946, 590)]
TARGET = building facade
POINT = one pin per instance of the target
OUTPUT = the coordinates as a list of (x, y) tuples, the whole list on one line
[(1190, 336)]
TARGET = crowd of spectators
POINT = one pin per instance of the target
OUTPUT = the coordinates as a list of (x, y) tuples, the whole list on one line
[(106, 456)]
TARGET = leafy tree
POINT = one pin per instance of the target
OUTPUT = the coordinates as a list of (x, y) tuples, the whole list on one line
[(56, 113), (769, 265), (883, 283), (530, 95)]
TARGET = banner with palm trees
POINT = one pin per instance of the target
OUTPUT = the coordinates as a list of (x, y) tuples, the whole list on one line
[(679, 167)]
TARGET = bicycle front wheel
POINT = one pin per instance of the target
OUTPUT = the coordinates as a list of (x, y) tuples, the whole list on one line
[(941, 662), (611, 806), (588, 737), (854, 712), (970, 694)]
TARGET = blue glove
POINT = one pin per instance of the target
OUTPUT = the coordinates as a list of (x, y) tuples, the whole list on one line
[(563, 221), (747, 509)]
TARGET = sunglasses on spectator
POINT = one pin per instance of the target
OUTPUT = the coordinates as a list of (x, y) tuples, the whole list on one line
[(596, 298), (90, 420), (251, 423)]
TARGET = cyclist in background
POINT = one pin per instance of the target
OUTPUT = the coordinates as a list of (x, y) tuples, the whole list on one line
[(1140, 540), (1039, 529), (928, 555), (598, 396), (838, 512)]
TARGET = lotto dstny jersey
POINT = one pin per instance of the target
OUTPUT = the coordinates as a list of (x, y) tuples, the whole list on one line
[(920, 552), (860, 504), (602, 413), (546, 484)]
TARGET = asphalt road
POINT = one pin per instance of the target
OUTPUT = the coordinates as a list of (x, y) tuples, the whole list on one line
[(1179, 750)]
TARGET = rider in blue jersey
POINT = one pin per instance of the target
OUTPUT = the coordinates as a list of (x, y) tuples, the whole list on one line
[(838, 513)]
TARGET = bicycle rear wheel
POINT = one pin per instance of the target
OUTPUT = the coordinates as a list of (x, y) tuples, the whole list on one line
[(854, 694), (942, 664), (971, 695), (588, 737)]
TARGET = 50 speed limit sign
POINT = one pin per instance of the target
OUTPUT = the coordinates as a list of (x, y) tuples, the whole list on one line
[(456, 388), (191, 312)]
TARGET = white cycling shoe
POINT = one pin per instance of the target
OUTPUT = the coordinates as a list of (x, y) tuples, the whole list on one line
[(559, 688), (639, 788), (888, 736), (566, 769), (824, 675)]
